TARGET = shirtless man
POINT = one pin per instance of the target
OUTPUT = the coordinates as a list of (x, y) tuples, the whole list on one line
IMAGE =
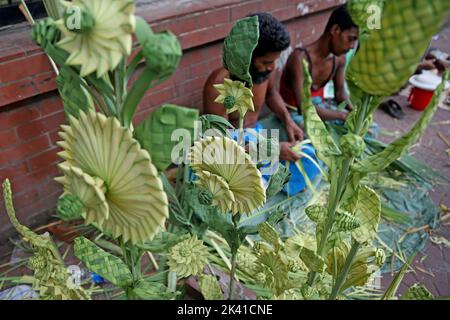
[(273, 39), (326, 59)]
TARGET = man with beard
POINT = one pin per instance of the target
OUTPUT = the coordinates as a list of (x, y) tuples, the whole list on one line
[(327, 59), (273, 39)]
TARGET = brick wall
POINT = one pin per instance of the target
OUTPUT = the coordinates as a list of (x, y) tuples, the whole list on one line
[(31, 111)]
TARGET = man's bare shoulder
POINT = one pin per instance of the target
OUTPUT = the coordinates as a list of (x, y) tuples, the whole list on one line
[(217, 76)]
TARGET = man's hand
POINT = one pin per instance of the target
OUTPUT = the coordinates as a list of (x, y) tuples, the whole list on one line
[(293, 130), (286, 152)]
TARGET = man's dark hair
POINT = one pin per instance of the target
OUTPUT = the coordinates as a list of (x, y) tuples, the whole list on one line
[(342, 18), (273, 35)]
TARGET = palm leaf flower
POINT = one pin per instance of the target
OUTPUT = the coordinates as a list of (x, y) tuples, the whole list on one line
[(113, 176), (235, 97), (224, 169), (188, 257), (103, 34)]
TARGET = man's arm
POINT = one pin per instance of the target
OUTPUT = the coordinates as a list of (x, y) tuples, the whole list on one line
[(276, 103), (295, 72), (210, 94), (340, 94)]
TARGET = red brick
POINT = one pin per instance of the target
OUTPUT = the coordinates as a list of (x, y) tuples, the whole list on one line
[(23, 200), (200, 37), (9, 53), (13, 171), (7, 138), (44, 159), (240, 11), (13, 118), (17, 91), (40, 126), (190, 86), (51, 105), (45, 82), (24, 150), (34, 179), (157, 98), (54, 137), (23, 68), (191, 57)]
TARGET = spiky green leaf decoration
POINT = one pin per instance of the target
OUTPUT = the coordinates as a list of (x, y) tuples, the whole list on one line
[(389, 55), (103, 263), (50, 278), (98, 147), (223, 168), (417, 292), (188, 257), (315, 127), (155, 132), (238, 48), (352, 145), (73, 94), (69, 207), (346, 221), (235, 97), (100, 38), (210, 287), (316, 212)]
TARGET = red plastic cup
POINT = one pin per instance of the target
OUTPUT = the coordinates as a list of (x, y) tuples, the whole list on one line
[(420, 98)]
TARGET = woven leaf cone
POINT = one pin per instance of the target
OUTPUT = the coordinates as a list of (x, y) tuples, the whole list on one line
[(210, 287), (223, 168), (390, 55), (103, 263), (102, 149), (238, 48), (102, 45), (361, 11)]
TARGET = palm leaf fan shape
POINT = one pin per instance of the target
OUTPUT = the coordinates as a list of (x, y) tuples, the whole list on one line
[(100, 154), (223, 168)]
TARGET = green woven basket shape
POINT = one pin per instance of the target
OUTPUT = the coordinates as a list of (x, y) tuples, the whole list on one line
[(155, 132), (74, 96), (238, 48), (389, 56), (103, 263), (361, 11)]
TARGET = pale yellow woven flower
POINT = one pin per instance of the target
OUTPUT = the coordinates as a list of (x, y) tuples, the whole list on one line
[(235, 96), (102, 37), (224, 169), (100, 154)]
